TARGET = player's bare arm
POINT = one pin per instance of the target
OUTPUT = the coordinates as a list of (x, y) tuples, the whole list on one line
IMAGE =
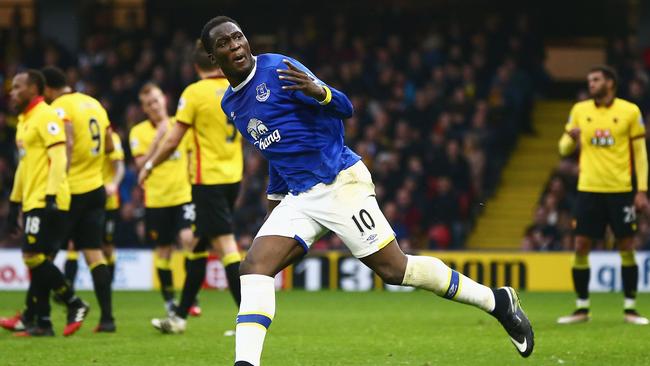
[(118, 168), (171, 142), (108, 144), (161, 130)]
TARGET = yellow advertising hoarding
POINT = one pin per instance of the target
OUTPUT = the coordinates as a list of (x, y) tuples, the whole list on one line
[(340, 271)]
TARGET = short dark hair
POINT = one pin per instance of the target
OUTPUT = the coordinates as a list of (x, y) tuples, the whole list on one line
[(54, 77), (205, 33), (201, 59), (35, 77), (608, 72)]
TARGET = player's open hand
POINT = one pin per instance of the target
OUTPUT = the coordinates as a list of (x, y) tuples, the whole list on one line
[(641, 202), (301, 82)]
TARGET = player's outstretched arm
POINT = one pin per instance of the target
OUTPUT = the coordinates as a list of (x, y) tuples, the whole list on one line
[(312, 91)]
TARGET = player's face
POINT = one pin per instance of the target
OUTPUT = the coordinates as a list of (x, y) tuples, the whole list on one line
[(598, 84), (21, 92), (154, 104), (231, 50)]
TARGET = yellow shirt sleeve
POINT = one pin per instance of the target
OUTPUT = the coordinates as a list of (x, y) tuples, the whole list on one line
[(186, 110), (52, 132), (567, 145), (138, 147), (637, 128)]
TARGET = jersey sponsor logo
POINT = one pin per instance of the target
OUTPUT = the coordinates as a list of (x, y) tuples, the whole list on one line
[(53, 128), (260, 133), (262, 92), (181, 104), (60, 112), (256, 128), (602, 138), (268, 140)]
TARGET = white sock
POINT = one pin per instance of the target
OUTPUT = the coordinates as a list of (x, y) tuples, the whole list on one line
[(255, 315), (432, 274), (582, 304)]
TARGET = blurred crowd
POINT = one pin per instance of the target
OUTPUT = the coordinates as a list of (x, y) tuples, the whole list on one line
[(438, 108), (552, 223)]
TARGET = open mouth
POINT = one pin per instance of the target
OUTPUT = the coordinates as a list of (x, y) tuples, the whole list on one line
[(239, 60)]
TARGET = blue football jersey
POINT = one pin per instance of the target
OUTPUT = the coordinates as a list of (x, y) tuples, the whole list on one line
[(301, 139)]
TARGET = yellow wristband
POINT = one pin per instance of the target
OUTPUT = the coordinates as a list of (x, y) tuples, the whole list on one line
[(328, 96)]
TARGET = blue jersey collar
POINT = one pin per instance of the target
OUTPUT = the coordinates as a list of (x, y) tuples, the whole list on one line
[(248, 78)]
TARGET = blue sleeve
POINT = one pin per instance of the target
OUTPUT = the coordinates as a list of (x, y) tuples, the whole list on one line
[(277, 185), (339, 106)]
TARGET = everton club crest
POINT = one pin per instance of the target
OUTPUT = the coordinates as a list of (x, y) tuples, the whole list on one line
[(263, 92)]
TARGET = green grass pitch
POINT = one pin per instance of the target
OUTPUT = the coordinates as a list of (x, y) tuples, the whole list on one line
[(337, 328)]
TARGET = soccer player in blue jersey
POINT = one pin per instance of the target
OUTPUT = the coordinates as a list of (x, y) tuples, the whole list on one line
[(316, 185)]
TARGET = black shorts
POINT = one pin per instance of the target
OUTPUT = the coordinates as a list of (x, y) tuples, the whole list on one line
[(86, 219), (44, 231), (110, 220), (162, 224), (214, 208), (594, 211)]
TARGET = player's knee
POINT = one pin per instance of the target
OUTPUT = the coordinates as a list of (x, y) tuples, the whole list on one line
[(250, 266), (247, 266), (390, 274)]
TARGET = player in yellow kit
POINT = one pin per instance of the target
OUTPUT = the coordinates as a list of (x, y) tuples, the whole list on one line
[(41, 186), (217, 165), (87, 127), (169, 211), (610, 133), (113, 174)]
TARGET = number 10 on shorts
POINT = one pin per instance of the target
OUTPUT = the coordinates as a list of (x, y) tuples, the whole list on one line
[(366, 219)]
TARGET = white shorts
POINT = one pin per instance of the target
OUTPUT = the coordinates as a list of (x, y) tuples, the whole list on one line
[(347, 207)]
